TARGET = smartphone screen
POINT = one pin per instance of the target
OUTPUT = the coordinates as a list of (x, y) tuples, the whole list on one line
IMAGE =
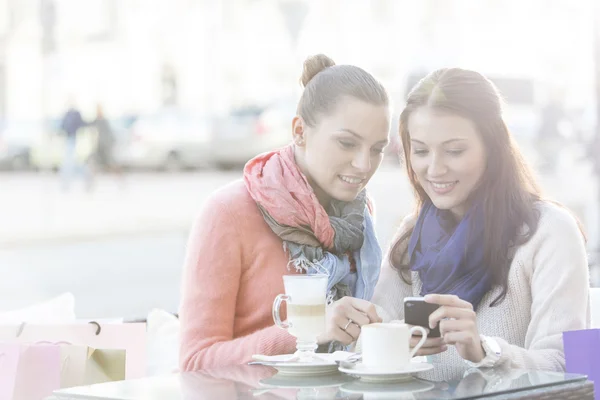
[(417, 312)]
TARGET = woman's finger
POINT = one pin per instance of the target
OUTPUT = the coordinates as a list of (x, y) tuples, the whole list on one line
[(367, 308), (342, 336), (456, 325), (447, 300), (428, 351), (450, 312), (339, 333), (434, 342), (353, 330), (356, 316), (462, 337)]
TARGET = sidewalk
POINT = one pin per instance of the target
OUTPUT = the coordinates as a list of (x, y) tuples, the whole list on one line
[(33, 209)]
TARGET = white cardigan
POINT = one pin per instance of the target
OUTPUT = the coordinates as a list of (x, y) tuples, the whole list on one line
[(547, 295)]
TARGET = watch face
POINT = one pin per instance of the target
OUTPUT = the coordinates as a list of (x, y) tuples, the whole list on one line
[(491, 346)]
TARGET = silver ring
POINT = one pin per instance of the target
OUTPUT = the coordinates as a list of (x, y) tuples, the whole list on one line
[(348, 324)]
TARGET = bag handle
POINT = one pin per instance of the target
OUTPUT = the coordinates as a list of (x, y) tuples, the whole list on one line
[(22, 327)]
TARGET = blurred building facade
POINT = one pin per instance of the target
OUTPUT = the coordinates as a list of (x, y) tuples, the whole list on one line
[(136, 56)]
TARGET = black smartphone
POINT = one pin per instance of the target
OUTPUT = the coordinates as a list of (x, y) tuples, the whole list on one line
[(417, 312)]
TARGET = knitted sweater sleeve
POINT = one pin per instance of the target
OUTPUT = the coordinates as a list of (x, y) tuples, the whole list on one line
[(559, 292), (212, 272)]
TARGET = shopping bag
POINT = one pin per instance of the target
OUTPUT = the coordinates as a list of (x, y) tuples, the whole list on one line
[(131, 338), (84, 366), (105, 365), (37, 373), (582, 354), (9, 363)]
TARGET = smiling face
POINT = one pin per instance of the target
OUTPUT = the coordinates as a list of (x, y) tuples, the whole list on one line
[(447, 156), (342, 152)]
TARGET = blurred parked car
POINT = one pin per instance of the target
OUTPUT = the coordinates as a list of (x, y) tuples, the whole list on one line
[(13, 155), (248, 131), (170, 140), (17, 138)]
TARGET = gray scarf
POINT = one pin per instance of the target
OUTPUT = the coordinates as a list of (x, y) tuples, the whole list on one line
[(305, 251)]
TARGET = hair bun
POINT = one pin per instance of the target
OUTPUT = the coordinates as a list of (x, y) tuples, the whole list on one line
[(313, 65)]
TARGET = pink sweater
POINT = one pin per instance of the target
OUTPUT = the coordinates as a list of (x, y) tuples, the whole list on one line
[(233, 272)]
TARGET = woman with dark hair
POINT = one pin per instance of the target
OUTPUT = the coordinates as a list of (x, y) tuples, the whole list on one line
[(507, 267)]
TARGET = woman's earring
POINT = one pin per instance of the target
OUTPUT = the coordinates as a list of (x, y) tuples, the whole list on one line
[(299, 142)]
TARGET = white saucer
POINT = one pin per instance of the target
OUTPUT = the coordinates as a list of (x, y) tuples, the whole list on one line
[(386, 375), (324, 363), (294, 368)]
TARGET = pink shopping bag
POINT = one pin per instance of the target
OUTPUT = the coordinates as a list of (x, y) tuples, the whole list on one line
[(29, 371), (128, 337), (9, 363)]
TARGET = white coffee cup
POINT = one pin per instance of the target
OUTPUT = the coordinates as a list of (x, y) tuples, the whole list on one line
[(387, 345)]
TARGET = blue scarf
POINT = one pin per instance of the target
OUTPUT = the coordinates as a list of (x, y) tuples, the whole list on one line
[(449, 256), (368, 263)]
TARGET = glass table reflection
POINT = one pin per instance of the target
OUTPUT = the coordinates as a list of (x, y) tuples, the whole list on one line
[(263, 383)]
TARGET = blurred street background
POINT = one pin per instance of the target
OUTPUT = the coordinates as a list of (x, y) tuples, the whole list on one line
[(176, 95)]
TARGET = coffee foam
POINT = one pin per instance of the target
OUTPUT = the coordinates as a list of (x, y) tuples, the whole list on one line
[(306, 289)]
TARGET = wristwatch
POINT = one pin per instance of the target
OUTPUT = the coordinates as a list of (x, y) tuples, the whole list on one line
[(493, 352)]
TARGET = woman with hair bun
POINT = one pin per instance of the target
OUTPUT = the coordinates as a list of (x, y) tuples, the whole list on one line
[(299, 209)]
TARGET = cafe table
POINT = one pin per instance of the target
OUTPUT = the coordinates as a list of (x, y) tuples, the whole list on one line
[(264, 383)]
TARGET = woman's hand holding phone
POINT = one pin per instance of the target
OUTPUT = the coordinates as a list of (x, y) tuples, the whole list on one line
[(417, 312), (430, 347), (458, 325)]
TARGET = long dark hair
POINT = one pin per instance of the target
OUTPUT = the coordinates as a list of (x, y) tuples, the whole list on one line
[(508, 188)]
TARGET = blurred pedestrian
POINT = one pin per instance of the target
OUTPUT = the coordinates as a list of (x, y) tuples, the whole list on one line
[(104, 156), (71, 124), (105, 140)]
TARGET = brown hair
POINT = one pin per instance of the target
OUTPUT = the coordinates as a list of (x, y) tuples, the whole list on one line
[(507, 188), (325, 83)]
